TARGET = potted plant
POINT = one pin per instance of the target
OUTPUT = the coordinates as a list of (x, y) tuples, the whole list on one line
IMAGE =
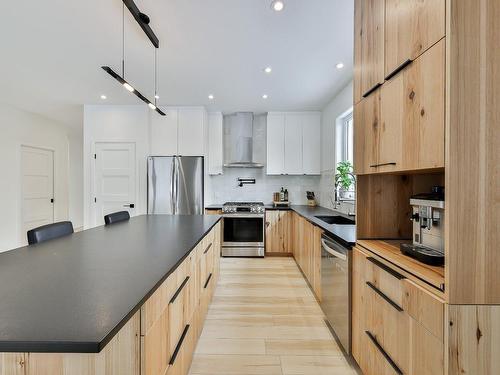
[(344, 180)]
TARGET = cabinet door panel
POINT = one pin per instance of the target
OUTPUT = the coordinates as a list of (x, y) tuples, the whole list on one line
[(215, 145), (275, 143), (358, 39), (366, 124), (411, 27), (276, 232), (191, 132), (372, 44), (311, 143), (164, 133), (423, 122), (293, 144), (391, 127)]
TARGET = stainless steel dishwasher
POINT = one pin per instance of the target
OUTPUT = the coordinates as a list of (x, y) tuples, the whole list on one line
[(336, 289)]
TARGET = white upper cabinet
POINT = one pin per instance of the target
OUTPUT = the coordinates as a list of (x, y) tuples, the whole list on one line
[(275, 143), (180, 132), (215, 145), (164, 133), (191, 132), (294, 143), (311, 143)]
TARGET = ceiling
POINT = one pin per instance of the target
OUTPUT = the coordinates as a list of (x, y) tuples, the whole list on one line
[(52, 51)]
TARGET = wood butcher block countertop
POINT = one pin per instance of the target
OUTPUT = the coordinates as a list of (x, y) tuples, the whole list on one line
[(389, 250)]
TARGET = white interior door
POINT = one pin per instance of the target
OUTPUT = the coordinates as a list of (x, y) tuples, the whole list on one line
[(37, 174), (114, 179)]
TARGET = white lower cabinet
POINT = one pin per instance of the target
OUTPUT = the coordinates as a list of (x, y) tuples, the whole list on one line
[(294, 143)]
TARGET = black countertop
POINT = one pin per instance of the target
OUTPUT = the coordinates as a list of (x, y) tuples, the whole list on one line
[(345, 234), (73, 294)]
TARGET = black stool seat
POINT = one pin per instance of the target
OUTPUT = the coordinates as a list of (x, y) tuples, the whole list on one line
[(116, 217), (49, 232)]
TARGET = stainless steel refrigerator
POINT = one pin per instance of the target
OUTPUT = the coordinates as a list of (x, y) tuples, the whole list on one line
[(175, 185)]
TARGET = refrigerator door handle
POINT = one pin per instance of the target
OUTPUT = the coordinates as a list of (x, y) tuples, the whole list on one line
[(183, 186), (172, 186)]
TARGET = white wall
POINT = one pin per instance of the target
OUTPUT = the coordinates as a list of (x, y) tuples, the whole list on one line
[(341, 103), (18, 128), (112, 123)]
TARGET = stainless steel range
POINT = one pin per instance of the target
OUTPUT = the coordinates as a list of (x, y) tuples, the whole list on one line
[(243, 229)]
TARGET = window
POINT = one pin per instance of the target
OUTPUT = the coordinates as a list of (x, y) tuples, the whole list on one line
[(344, 137)]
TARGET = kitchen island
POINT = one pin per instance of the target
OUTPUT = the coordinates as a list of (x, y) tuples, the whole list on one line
[(102, 291)]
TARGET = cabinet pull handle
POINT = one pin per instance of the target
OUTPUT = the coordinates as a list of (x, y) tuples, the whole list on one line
[(178, 291), (208, 248), (381, 165), (384, 353), (398, 69), (179, 345), (208, 280), (387, 269), (381, 294), (374, 88)]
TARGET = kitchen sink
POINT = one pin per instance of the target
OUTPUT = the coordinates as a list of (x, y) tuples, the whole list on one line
[(336, 220)]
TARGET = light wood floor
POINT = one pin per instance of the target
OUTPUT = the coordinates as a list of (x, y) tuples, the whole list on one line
[(265, 320)]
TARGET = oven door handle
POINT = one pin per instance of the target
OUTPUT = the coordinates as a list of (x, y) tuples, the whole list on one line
[(237, 216), (333, 252)]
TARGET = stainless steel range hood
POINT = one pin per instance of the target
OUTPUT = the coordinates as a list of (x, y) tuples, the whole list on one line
[(239, 141)]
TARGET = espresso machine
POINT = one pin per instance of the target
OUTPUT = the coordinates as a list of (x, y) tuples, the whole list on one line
[(428, 227)]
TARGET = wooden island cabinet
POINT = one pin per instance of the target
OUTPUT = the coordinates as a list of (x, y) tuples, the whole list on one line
[(159, 339)]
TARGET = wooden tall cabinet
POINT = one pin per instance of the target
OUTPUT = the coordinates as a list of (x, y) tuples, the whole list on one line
[(433, 119), (369, 37)]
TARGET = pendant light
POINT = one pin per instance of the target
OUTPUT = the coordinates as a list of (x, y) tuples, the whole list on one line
[(143, 21)]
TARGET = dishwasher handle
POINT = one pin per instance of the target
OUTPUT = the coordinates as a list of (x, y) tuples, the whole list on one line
[(333, 252)]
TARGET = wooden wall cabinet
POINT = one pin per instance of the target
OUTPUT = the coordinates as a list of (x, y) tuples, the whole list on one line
[(278, 230), (411, 27), (366, 124), (369, 46), (401, 126)]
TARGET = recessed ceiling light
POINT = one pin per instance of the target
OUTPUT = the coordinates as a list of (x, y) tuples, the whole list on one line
[(211, 97), (157, 96), (128, 87), (152, 106), (339, 65), (264, 96), (104, 97), (278, 5), (268, 70)]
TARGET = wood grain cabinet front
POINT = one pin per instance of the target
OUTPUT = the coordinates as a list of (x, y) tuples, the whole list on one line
[(369, 47), (397, 326), (411, 135), (278, 225), (401, 126), (411, 27)]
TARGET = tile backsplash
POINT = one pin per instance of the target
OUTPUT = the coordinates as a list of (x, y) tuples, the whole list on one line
[(225, 187)]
